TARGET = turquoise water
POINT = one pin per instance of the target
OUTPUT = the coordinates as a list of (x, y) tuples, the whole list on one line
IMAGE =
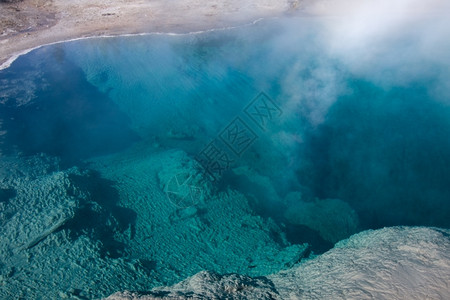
[(106, 183)]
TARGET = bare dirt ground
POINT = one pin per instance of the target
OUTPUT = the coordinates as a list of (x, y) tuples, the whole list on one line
[(26, 24)]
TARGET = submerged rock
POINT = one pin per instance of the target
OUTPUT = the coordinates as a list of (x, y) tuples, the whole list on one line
[(334, 219), (183, 181), (45, 238), (40, 206)]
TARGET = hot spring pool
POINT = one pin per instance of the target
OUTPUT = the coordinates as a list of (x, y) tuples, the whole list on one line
[(133, 162)]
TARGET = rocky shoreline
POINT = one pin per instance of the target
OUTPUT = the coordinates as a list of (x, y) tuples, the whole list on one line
[(389, 263), (28, 24)]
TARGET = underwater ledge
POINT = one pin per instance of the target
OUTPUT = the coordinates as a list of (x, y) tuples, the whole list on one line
[(389, 263)]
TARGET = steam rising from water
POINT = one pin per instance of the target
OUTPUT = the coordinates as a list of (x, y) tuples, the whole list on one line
[(363, 87)]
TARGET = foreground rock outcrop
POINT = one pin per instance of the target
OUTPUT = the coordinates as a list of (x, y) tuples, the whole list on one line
[(390, 263)]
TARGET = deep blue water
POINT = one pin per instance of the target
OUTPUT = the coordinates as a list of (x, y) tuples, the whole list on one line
[(376, 139), (73, 121)]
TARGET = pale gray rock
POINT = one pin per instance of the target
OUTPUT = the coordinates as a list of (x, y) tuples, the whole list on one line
[(209, 285), (390, 263)]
